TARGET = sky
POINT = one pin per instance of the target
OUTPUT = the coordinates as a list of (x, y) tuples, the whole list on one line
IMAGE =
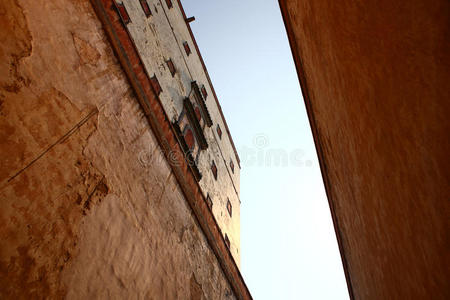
[(288, 244)]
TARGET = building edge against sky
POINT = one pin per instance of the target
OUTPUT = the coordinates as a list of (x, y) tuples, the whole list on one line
[(374, 78), (171, 57), (120, 116)]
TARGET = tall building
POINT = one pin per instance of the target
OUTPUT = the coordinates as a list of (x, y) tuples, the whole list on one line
[(119, 177), (171, 59), (374, 76)]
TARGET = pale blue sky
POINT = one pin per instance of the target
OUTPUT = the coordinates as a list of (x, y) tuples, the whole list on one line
[(288, 244)]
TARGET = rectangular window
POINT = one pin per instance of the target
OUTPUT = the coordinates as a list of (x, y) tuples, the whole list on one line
[(214, 169), (197, 98), (204, 93), (193, 120), (232, 165), (219, 131), (187, 48), (156, 86), (171, 67), (229, 207), (146, 8), (123, 13)]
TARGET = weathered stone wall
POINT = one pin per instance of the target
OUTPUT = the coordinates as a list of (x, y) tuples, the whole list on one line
[(83, 215), (375, 77), (159, 38)]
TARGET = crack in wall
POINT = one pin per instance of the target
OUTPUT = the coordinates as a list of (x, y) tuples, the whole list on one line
[(59, 141)]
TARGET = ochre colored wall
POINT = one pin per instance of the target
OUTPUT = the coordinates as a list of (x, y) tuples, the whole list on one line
[(90, 207), (375, 77)]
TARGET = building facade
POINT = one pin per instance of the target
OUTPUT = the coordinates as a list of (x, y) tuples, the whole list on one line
[(374, 77), (119, 177), (171, 58)]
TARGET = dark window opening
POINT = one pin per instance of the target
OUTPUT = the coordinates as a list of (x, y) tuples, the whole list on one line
[(190, 112), (198, 114), (219, 131), (204, 93), (232, 165), (214, 169), (146, 8), (227, 241), (229, 208), (171, 67), (196, 97), (187, 48), (187, 152), (156, 86), (169, 3), (123, 13)]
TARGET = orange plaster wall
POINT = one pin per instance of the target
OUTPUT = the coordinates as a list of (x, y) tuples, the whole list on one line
[(375, 77)]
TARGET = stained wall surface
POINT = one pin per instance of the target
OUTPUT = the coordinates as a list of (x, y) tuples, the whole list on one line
[(375, 76), (90, 207), (162, 37)]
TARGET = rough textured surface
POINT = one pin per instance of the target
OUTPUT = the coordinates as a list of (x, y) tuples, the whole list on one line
[(158, 39), (375, 79), (83, 216)]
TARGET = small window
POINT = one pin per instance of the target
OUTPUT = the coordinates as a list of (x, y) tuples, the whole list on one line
[(227, 241), (156, 86), (204, 93), (169, 3), (171, 67), (232, 165), (214, 169), (229, 207), (187, 48), (219, 131), (123, 13), (209, 202), (146, 8)]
